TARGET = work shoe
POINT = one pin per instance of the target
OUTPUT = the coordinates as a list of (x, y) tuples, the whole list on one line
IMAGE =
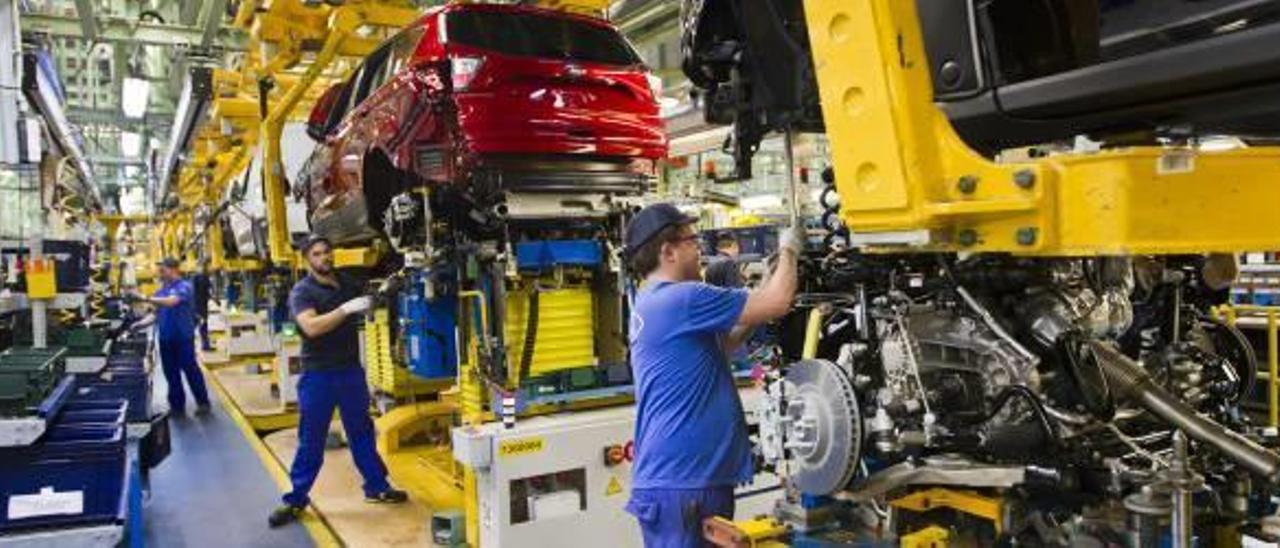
[(284, 515), (390, 496), (204, 410)]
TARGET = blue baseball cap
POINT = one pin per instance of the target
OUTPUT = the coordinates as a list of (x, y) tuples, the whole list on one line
[(649, 222)]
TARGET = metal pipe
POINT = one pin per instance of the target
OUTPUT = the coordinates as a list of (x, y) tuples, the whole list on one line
[(1180, 525), (1273, 371), (793, 186), (1129, 379), (39, 307)]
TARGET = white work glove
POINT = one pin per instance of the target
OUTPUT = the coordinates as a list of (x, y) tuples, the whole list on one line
[(358, 305), (792, 238)]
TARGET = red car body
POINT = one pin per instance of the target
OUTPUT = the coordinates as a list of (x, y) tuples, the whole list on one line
[(538, 99)]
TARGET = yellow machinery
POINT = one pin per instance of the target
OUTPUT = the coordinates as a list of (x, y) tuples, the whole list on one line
[(565, 330), (382, 366), (911, 189), (756, 533), (918, 181)]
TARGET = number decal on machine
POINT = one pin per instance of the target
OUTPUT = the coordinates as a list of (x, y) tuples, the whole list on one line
[(521, 446)]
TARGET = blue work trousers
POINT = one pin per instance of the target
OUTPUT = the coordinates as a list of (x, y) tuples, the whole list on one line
[(318, 393), (178, 360), (205, 344), (672, 518)]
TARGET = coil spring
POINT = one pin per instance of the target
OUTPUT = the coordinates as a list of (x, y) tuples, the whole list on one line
[(99, 284), (830, 202)]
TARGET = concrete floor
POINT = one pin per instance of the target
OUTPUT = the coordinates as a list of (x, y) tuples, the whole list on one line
[(213, 489)]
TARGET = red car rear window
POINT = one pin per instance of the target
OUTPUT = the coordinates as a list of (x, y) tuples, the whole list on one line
[(540, 36)]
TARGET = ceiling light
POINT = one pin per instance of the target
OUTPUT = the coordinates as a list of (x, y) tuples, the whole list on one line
[(762, 202), (134, 95), (1220, 143), (131, 144)]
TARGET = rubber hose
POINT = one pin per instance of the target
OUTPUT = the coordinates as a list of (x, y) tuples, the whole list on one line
[(1042, 418), (530, 335)]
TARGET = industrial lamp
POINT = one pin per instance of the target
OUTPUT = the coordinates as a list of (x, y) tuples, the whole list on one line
[(133, 97)]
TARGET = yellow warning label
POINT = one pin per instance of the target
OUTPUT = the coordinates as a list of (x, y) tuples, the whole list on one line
[(521, 446), (614, 487)]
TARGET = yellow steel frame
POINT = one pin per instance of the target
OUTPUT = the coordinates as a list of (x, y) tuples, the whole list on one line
[(929, 537), (342, 25), (356, 256), (902, 169), (282, 32), (761, 532), (435, 479), (969, 502), (1231, 314), (585, 7)]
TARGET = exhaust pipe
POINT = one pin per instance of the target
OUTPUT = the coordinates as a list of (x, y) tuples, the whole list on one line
[(1132, 381)]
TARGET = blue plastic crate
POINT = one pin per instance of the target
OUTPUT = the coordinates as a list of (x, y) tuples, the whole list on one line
[(89, 462), (130, 362), (76, 440), (94, 405), (131, 344), (103, 412), (133, 387), (544, 254)]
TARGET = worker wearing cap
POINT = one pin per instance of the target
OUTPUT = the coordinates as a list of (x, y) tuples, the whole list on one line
[(176, 332), (691, 446), (327, 307)]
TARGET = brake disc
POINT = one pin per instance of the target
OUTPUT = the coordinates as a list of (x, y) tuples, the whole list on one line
[(822, 427)]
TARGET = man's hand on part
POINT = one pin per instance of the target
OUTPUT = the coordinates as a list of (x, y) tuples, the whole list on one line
[(358, 305), (792, 238)]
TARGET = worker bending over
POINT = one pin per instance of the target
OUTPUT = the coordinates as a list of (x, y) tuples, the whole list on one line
[(691, 436), (326, 307), (176, 332)]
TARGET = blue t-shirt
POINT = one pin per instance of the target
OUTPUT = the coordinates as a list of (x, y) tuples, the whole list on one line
[(176, 322), (690, 430), (336, 349)]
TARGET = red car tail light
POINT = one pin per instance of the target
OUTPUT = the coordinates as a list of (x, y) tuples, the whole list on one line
[(464, 70)]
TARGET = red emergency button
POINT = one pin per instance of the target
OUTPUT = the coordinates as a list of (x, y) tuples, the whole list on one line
[(614, 455)]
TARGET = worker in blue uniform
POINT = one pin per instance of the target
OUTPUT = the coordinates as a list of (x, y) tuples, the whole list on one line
[(691, 446), (176, 331), (327, 307)]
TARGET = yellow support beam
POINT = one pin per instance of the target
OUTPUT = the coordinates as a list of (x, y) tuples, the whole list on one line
[(356, 257), (969, 502), (343, 23), (906, 177), (762, 532), (234, 108), (595, 8), (929, 537)]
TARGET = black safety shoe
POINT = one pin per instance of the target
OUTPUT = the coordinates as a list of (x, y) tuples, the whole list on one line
[(284, 515), (390, 496), (204, 410)]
